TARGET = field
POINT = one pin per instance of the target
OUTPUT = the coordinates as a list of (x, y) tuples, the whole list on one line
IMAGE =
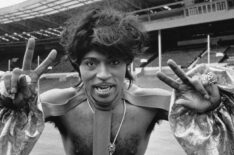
[(161, 142)]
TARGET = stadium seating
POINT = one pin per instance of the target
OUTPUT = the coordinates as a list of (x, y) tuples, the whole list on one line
[(216, 55), (182, 55), (230, 56)]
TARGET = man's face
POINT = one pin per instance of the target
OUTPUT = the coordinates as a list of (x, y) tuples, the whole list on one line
[(103, 77)]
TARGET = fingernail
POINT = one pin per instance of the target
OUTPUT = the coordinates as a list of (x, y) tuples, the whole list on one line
[(13, 96), (207, 97), (13, 90)]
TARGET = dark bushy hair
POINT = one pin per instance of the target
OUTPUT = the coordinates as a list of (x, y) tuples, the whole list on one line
[(108, 31)]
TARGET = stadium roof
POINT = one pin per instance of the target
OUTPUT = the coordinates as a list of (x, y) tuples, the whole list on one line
[(36, 18), (37, 8), (43, 19)]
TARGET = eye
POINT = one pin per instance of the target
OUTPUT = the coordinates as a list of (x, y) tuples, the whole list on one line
[(89, 63), (114, 62)]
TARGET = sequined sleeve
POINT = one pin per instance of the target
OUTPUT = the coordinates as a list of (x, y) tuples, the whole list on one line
[(20, 127), (210, 133)]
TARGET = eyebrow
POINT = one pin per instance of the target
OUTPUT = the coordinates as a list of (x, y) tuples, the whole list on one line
[(92, 58), (96, 59)]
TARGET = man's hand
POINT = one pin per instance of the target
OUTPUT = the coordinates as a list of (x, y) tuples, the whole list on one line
[(191, 90), (20, 84)]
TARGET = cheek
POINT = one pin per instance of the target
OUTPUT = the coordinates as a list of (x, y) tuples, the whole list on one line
[(85, 75), (121, 74)]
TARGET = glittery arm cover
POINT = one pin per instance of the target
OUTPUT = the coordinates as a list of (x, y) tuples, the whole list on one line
[(210, 133), (20, 125)]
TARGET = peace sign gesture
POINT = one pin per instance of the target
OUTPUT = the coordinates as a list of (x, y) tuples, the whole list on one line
[(195, 91), (20, 84)]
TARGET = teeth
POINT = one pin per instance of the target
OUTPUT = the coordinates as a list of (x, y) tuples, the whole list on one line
[(103, 90)]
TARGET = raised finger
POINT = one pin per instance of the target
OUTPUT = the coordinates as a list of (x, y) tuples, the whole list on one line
[(14, 80), (28, 56), (44, 65), (179, 72), (168, 80)]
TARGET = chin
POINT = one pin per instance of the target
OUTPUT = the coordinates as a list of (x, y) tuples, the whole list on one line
[(104, 101), (108, 98)]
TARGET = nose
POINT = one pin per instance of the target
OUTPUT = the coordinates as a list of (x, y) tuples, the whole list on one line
[(103, 72)]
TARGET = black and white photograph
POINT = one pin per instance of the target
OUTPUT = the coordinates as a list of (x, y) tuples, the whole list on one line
[(116, 77)]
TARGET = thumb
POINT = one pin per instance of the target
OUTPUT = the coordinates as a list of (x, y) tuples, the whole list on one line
[(196, 105), (184, 103)]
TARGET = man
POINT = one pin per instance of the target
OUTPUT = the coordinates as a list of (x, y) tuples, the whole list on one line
[(106, 113)]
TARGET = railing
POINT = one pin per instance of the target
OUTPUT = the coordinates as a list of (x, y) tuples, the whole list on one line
[(158, 10), (207, 7)]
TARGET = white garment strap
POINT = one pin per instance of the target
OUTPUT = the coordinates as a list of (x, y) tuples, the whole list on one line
[(101, 132)]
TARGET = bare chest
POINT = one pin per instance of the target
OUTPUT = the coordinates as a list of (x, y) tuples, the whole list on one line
[(132, 138)]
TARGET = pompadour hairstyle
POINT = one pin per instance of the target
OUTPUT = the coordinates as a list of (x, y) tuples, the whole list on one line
[(108, 31)]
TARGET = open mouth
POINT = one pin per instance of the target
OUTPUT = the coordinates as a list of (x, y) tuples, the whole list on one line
[(103, 90)]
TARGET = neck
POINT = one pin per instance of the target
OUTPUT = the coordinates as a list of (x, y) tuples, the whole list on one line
[(105, 107)]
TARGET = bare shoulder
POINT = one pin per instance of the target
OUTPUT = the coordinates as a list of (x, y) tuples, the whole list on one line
[(57, 96), (137, 90)]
